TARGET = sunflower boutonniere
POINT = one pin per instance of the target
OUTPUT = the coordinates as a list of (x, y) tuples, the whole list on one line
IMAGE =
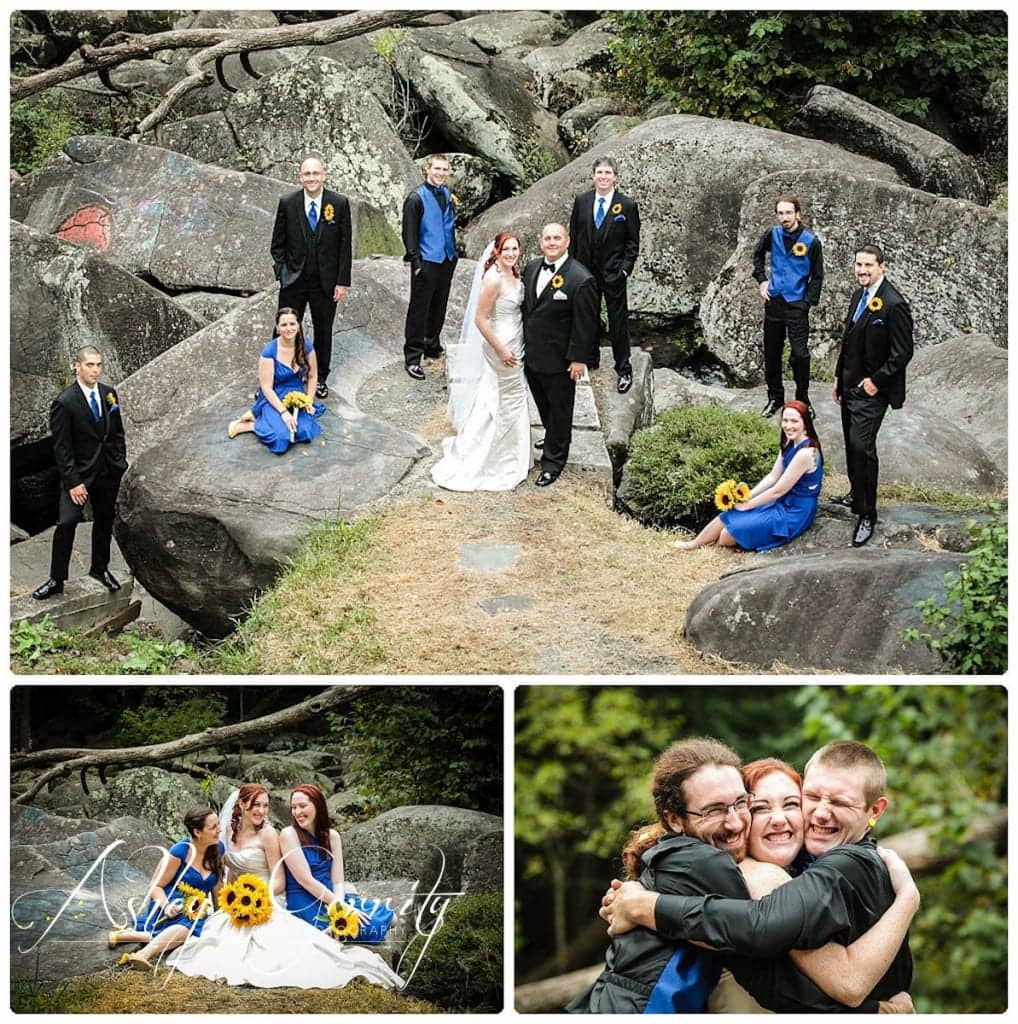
[(557, 281), (799, 249), (111, 401), (454, 198), (329, 212), (617, 208), (876, 304)]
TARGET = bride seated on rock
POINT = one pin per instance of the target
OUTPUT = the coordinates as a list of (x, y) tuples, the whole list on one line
[(287, 367)]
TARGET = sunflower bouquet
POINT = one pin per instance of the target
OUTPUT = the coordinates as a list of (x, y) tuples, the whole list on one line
[(196, 904), (247, 900), (344, 920), (294, 402), (729, 493)]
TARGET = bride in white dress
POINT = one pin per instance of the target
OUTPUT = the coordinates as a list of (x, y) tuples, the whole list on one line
[(488, 393), (285, 951)]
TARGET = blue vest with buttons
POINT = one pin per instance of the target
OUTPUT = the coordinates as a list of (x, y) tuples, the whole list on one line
[(789, 273), (437, 237)]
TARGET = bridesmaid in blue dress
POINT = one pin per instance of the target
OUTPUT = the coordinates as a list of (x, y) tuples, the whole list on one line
[(784, 504), (287, 363), (195, 861)]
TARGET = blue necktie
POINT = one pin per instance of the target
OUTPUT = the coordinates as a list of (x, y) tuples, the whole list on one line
[(95, 407), (862, 305), (312, 216), (599, 216)]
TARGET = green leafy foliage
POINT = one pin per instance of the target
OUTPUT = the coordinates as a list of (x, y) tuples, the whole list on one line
[(426, 745), (537, 163), (758, 66), (40, 128), (167, 714), (30, 641), (387, 42), (462, 968), (969, 630), (675, 465)]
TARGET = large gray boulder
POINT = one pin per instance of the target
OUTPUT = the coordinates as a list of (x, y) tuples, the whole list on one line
[(827, 612), (576, 122), (512, 34), (429, 843), (563, 74), (162, 215), (924, 159), (948, 257), (688, 175), (64, 296), (158, 797)]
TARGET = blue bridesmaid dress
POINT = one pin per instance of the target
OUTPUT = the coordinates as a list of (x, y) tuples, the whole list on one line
[(269, 425), (153, 918), (776, 523)]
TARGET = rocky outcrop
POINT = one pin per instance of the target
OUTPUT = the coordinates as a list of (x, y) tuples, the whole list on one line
[(688, 175), (948, 257), (832, 612), (471, 180), (64, 296), (512, 34), (924, 159), (564, 74), (576, 122)]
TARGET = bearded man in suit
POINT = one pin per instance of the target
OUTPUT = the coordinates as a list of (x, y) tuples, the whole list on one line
[(91, 457), (312, 254), (605, 231), (876, 347), (560, 322)]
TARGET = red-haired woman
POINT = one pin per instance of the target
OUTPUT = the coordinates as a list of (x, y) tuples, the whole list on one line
[(487, 390), (784, 504)]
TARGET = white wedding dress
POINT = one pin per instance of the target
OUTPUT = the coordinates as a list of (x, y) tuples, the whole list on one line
[(285, 952), (492, 450)]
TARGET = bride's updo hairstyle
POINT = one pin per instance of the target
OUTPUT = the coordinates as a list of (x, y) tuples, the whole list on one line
[(322, 826), (246, 795), (194, 822), (678, 763), (500, 239)]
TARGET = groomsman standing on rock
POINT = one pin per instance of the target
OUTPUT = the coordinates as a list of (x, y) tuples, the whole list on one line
[(797, 275), (91, 457), (605, 231), (312, 254), (870, 375), (429, 237)]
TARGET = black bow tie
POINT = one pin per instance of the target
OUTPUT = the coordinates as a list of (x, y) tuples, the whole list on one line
[(550, 267)]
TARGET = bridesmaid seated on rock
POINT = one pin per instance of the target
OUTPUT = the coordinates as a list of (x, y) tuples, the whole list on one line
[(287, 366)]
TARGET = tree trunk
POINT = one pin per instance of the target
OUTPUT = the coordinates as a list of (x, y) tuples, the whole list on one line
[(558, 908)]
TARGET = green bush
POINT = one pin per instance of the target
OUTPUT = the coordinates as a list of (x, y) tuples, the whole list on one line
[(675, 465), (462, 968), (969, 630), (169, 714), (39, 129)]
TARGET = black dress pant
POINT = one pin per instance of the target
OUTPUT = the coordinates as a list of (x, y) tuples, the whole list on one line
[(616, 301), (861, 416), (304, 292), (554, 395), (425, 315), (103, 497), (781, 320)]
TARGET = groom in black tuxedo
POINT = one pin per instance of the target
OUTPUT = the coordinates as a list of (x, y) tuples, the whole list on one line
[(91, 457), (605, 231), (870, 376), (560, 324), (312, 253)]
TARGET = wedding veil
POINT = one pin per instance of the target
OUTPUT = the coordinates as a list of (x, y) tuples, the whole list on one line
[(224, 819), (465, 360)]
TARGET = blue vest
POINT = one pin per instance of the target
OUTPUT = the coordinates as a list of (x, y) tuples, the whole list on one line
[(789, 273), (438, 231)]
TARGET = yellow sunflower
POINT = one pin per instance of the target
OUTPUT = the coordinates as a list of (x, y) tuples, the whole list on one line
[(246, 899), (724, 496), (343, 920), (557, 281), (196, 903), (329, 211), (617, 208), (799, 249), (297, 400), (875, 305), (742, 491)]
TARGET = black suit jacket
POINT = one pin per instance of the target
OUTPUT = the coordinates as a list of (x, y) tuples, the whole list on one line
[(610, 250), (884, 340), (291, 237), (557, 332), (84, 447)]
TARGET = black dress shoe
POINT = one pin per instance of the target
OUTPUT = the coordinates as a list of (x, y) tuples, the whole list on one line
[(546, 477), (843, 499), (106, 578), (625, 381), (322, 390), (416, 371), (539, 445), (49, 589), (863, 531), (772, 406)]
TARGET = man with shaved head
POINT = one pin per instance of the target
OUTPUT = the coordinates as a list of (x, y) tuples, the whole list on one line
[(560, 326)]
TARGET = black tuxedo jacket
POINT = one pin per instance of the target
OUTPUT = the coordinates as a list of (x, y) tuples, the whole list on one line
[(884, 340), (560, 331), (84, 447), (610, 250), (291, 238)]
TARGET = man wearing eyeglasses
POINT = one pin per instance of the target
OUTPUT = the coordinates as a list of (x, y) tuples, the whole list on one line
[(845, 890)]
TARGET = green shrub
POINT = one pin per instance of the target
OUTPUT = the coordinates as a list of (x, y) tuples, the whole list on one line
[(462, 968), (39, 129), (169, 714), (675, 465), (969, 630)]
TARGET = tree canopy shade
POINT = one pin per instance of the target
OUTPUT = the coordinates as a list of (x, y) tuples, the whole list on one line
[(583, 758)]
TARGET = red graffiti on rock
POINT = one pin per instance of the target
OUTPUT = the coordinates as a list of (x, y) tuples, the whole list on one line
[(91, 225)]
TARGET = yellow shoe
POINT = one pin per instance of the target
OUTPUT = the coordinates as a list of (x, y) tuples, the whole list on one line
[(233, 429), (138, 963), (248, 417), (113, 938)]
